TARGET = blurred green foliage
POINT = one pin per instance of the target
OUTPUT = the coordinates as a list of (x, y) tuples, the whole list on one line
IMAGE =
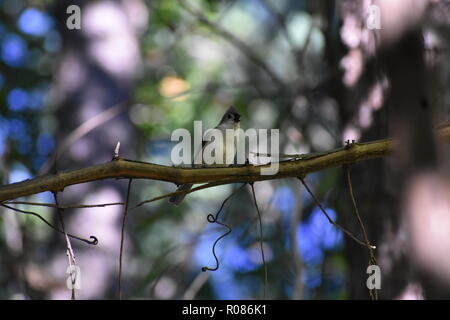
[(190, 72)]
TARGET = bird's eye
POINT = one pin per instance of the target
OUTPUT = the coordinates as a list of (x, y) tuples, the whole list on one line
[(230, 116)]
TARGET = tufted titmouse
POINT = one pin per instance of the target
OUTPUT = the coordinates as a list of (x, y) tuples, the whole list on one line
[(230, 120)]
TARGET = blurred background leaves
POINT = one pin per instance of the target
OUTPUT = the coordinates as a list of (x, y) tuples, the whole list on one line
[(285, 64)]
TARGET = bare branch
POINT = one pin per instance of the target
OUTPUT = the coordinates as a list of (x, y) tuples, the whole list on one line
[(72, 206), (348, 233), (215, 219), (261, 241), (167, 195), (81, 131), (238, 43), (69, 250), (195, 286), (94, 240), (372, 259), (123, 237), (281, 21), (123, 168)]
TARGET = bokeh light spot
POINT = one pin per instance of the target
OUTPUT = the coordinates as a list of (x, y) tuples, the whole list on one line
[(172, 87), (34, 22), (14, 50), (19, 173), (45, 144), (17, 99)]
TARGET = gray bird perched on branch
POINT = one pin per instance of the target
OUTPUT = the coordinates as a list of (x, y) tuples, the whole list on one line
[(230, 120)]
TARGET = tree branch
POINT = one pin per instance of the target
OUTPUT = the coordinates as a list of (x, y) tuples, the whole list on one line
[(124, 168)]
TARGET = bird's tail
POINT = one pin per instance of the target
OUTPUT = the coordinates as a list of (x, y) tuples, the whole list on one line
[(176, 199)]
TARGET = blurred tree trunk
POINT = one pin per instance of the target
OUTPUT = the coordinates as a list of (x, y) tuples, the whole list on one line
[(390, 192), (96, 73)]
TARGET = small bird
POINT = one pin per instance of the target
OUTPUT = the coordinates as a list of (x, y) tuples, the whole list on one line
[(230, 120)]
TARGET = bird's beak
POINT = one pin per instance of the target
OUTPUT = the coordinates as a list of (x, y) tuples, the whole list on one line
[(237, 117)]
